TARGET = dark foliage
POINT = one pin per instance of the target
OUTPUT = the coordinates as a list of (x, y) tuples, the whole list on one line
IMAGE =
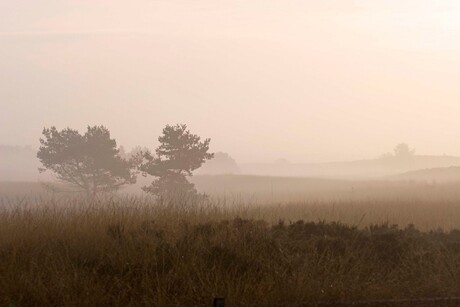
[(90, 162), (179, 154)]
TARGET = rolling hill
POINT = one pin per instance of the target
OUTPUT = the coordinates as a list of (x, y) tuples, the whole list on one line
[(362, 169), (439, 174)]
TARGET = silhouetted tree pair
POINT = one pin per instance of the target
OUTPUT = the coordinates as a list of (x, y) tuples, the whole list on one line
[(92, 162)]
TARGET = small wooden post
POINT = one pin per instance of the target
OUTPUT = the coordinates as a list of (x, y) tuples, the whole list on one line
[(219, 302)]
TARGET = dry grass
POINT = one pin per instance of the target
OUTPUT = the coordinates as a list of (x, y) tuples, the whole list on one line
[(133, 251)]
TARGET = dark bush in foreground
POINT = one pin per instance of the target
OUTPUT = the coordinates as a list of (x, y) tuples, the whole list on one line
[(108, 259)]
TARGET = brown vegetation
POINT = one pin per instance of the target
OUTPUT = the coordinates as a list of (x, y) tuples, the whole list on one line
[(133, 251)]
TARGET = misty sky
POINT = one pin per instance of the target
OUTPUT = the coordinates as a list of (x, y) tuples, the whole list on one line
[(264, 79)]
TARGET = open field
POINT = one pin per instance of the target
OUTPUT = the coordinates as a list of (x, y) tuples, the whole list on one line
[(133, 251), (428, 206), (279, 189), (294, 189), (257, 240)]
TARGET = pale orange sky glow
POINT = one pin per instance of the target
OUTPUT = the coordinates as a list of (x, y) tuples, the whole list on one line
[(303, 80)]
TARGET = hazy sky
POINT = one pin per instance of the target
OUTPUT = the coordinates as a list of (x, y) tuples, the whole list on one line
[(264, 79)]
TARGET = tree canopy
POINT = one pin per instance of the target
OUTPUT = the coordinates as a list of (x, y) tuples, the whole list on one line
[(403, 150), (179, 154), (89, 162)]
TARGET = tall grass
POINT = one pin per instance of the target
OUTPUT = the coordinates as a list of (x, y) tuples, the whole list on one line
[(134, 251)]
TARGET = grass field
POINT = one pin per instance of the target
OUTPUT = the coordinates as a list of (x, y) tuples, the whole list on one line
[(60, 250), (429, 206)]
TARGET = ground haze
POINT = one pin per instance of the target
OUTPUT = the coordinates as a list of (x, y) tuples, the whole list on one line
[(272, 153)]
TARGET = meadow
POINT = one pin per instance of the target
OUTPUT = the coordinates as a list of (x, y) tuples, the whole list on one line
[(334, 241)]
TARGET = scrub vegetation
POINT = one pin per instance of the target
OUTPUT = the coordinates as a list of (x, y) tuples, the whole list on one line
[(137, 251)]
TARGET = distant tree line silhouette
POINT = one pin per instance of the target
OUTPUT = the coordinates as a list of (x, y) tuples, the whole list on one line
[(401, 151)]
